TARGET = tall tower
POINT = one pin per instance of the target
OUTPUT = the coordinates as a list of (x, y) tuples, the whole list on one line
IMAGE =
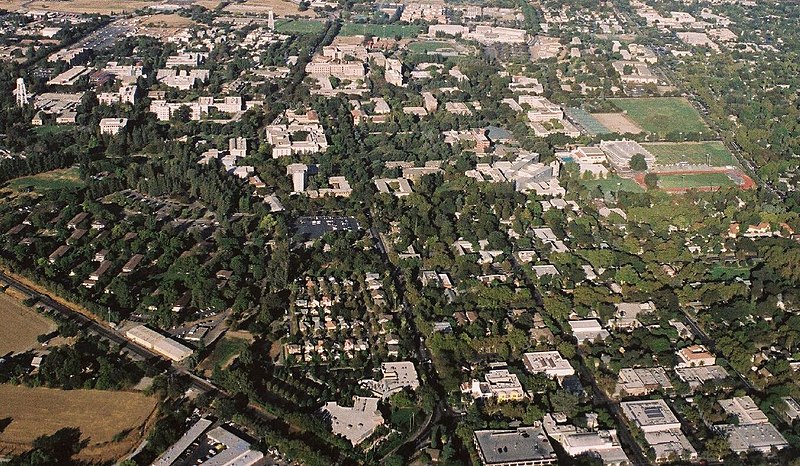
[(22, 93), (271, 21)]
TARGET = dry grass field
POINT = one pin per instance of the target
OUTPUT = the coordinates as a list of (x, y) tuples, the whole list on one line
[(81, 6), (101, 416), (279, 7), (167, 21), (21, 326), (617, 123)]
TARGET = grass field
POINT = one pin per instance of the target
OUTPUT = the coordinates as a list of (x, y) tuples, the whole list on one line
[(662, 115), (21, 326), (614, 185), (425, 47), (102, 417), (379, 30), (694, 180), (55, 179), (692, 152), (224, 352), (726, 273), (298, 26)]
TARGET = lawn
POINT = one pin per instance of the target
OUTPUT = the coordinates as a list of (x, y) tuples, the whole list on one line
[(694, 180), (728, 273), (299, 26), (21, 326), (379, 30), (112, 423), (425, 47), (692, 152), (614, 184), (56, 179), (662, 115)]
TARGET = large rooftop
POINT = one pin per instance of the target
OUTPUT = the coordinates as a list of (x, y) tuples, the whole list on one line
[(514, 446)]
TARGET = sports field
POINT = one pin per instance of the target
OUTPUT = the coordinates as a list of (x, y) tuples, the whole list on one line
[(379, 30), (112, 423), (689, 181), (54, 179), (21, 326), (712, 152), (662, 115)]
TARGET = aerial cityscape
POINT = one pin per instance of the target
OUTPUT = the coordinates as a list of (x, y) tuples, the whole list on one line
[(422, 232)]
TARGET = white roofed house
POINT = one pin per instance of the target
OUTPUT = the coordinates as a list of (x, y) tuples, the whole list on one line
[(588, 330)]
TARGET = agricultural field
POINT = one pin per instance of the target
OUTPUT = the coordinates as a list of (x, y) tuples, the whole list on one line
[(298, 26), (662, 115), (380, 30), (21, 326), (689, 181), (55, 179), (614, 184), (713, 152), (112, 423)]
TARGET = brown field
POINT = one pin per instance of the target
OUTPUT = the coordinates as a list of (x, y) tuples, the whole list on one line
[(167, 21), (81, 6), (21, 326), (617, 123), (100, 415), (279, 7)]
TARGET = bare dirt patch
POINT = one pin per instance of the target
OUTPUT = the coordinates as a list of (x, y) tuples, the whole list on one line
[(100, 415), (262, 7), (21, 325), (617, 123)]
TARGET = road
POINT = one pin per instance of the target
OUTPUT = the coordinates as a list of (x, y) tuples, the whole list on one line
[(420, 438), (709, 343), (104, 331)]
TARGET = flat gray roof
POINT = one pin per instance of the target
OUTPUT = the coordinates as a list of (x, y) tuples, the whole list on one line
[(508, 446)]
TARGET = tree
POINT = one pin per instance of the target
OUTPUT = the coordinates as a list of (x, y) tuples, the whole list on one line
[(651, 180), (638, 163)]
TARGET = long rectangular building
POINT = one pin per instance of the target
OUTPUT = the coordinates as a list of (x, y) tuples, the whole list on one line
[(157, 342)]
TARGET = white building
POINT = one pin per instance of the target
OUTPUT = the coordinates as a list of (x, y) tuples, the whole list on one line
[(662, 429), (550, 363), (157, 342), (112, 126), (354, 423), (588, 330), (396, 377)]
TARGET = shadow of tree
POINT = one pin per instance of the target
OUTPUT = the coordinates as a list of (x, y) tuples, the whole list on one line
[(4, 423), (57, 448)]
